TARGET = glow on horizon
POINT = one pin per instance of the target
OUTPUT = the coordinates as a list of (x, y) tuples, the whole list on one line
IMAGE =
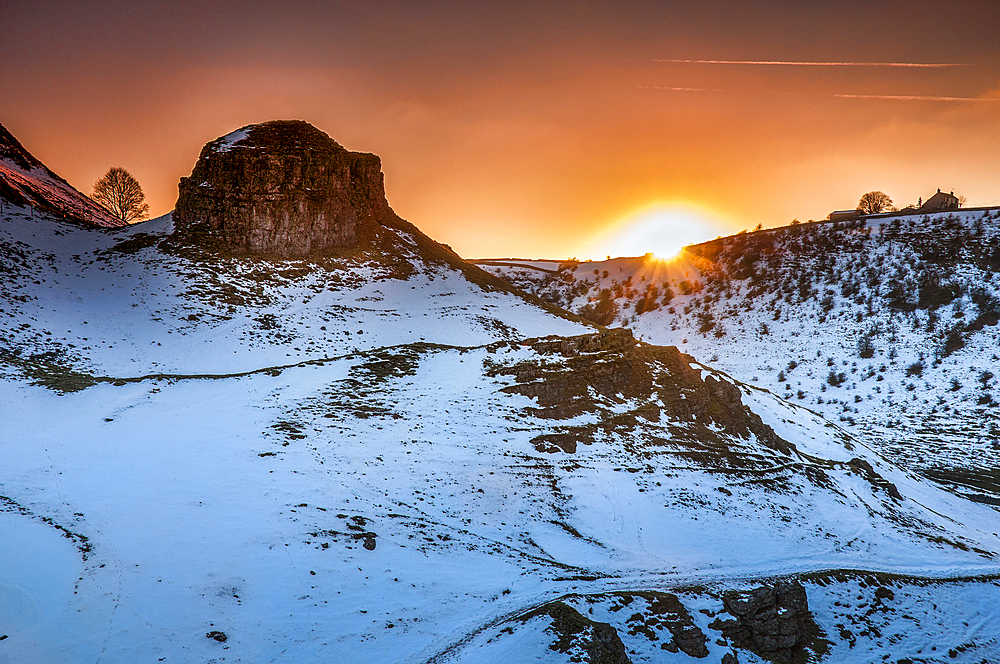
[(660, 229)]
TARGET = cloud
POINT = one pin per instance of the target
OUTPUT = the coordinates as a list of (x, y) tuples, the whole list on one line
[(792, 63)]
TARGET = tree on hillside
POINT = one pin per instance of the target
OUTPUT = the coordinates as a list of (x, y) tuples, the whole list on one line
[(120, 194), (874, 202), (602, 311)]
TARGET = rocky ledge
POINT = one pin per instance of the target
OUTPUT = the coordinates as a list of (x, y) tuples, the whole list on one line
[(282, 188), (599, 372)]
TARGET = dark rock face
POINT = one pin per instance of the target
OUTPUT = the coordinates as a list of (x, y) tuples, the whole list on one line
[(282, 188), (772, 621), (575, 632), (666, 611)]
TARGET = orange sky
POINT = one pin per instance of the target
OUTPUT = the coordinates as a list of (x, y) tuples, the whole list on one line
[(510, 129)]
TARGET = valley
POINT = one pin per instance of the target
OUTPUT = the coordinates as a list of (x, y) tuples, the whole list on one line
[(378, 451)]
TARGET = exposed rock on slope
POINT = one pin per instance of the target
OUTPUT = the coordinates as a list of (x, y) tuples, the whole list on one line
[(587, 372), (664, 611), (773, 621), (579, 636), (25, 181)]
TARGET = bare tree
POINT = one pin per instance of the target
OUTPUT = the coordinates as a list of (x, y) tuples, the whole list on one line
[(874, 202), (120, 194)]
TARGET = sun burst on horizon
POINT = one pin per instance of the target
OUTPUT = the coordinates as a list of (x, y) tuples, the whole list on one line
[(662, 229)]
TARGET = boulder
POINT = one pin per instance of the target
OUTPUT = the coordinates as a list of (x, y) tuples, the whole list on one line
[(772, 621)]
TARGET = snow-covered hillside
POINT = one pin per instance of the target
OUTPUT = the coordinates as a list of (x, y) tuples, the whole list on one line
[(124, 307), (886, 326), (25, 181), (249, 460)]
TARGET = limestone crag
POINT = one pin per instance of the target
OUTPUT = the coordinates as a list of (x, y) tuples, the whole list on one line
[(282, 188), (585, 373), (285, 190)]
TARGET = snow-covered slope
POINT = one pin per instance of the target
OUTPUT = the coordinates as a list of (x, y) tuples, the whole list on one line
[(125, 307), (887, 326), (25, 181), (877, 617), (245, 460)]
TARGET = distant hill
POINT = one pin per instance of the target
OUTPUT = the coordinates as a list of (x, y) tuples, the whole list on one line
[(887, 326), (25, 181)]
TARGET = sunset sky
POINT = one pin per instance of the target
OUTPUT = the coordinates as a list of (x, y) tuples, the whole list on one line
[(532, 129)]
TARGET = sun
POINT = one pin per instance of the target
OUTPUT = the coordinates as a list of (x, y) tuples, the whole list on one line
[(662, 230)]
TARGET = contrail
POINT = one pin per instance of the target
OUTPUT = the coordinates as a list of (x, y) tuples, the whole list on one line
[(913, 97), (661, 87), (790, 63), (834, 95)]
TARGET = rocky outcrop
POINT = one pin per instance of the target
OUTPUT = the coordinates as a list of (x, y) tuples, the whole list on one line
[(282, 188), (580, 636), (25, 181), (772, 621), (665, 611), (587, 372)]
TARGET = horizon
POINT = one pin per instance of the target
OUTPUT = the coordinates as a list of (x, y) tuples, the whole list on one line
[(537, 130)]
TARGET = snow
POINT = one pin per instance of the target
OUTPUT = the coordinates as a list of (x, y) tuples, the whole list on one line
[(227, 142), (933, 620), (37, 583), (942, 418), (227, 470), (543, 265), (40, 183)]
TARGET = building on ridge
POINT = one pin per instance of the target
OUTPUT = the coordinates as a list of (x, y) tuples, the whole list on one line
[(940, 202), (845, 215)]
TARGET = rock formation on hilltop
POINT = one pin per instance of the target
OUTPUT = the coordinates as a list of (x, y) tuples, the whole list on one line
[(283, 188), (25, 181)]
